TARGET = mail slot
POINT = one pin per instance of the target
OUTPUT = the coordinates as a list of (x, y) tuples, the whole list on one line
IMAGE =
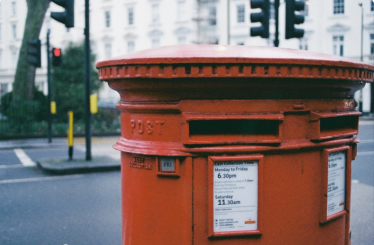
[(235, 144), (232, 128)]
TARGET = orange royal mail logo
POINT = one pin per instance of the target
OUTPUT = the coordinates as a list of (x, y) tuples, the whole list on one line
[(250, 221)]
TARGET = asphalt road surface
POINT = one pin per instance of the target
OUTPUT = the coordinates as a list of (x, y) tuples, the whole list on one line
[(38, 208), (362, 200)]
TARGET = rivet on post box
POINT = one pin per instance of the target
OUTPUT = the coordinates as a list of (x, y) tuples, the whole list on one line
[(236, 145)]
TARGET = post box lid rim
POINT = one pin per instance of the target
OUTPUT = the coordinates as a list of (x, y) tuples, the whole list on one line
[(230, 54)]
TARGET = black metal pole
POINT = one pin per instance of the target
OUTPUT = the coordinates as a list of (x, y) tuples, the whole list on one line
[(362, 32), (49, 89), (228, 22), (87, 80), (360, 102), (276, 7)]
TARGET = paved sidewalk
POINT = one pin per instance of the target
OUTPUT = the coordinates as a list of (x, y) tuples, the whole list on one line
[(104, 158), (362, 214)]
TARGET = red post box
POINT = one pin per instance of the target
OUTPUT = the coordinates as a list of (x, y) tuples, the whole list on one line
[(236, 145)]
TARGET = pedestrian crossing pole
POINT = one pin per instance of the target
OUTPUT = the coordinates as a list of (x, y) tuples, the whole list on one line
[(70, 134), (87, 81)]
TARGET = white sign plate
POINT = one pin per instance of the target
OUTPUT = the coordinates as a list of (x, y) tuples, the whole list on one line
[(235, 196), (336, 182), (167, 164)]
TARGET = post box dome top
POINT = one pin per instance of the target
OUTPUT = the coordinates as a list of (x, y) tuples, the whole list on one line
[(232, 61)]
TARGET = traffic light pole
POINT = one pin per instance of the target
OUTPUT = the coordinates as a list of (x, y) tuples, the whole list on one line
[(49, 88), (276, 6), (87, 74)]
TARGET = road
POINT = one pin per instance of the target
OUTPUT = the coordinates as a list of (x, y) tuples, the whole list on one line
[(362, 200), (38, 208)]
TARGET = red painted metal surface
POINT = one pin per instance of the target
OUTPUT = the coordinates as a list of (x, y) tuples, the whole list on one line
[(198, 104)]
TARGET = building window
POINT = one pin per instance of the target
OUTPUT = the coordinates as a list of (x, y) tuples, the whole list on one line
[(130, 12), (240, 43), (303, 44), (14, 31), (155, 13), (1, 60), (338, 6), (3, 89), (14, 8), (130, 46), (181, 10), (372, 5), (240, 13), (371, 46), (0, 32), (182, 40), (107, 18), (108, 50), (14, 58), (338, 45), (212, 16), (155, 42)]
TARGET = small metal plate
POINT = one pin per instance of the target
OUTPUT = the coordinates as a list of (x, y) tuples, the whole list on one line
[(167, 164)]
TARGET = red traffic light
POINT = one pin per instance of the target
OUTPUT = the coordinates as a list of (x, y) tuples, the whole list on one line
[(57, 52), (56, 56)]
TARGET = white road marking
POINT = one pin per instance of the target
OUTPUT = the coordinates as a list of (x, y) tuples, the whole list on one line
[(25, 160), (365, 153), (12, 181), (11, 166)]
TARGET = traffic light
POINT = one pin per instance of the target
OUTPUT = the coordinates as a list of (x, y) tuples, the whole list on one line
[(66, 17), (262, 17), (293, 19), (34, 51), (56, 57)]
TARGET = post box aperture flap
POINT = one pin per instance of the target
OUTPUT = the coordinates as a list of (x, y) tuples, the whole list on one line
[(246, 144)]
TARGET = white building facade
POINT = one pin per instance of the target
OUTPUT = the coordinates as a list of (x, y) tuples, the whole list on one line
[(124, 26)]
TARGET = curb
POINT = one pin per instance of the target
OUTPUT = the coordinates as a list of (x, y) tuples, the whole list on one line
[(65, 166)]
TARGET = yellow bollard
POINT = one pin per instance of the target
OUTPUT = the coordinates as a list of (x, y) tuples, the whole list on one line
[(70, 134), (53, 107), (93, 103)]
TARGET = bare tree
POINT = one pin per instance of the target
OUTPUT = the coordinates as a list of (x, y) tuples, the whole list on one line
[(24, 80)]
